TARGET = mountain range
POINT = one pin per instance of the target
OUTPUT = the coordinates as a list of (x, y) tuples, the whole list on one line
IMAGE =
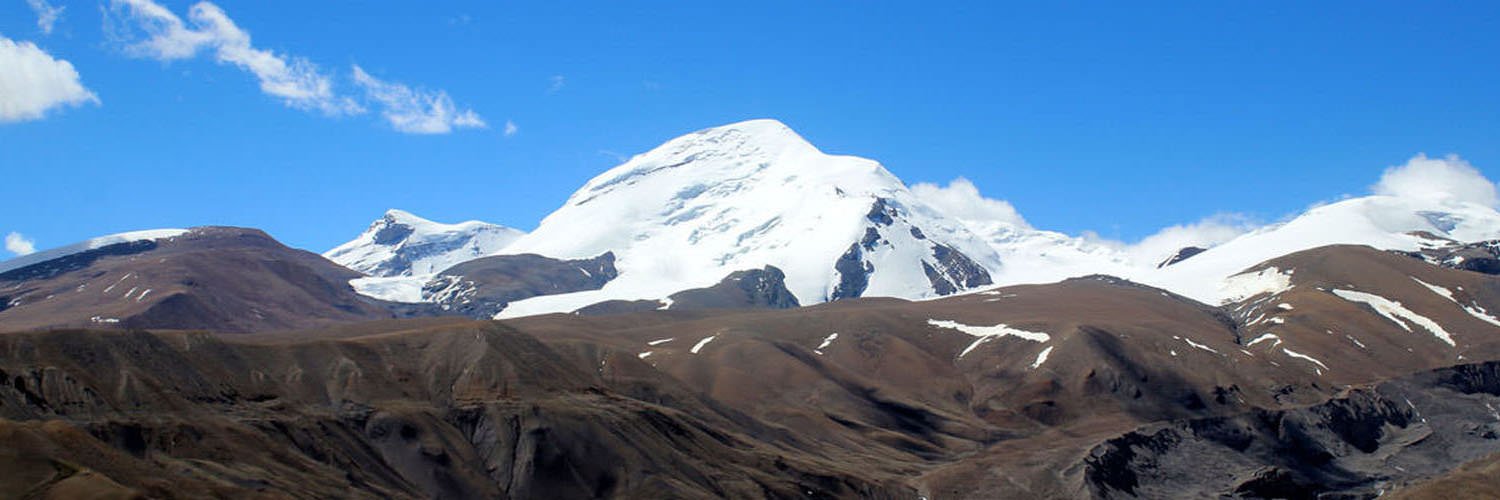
[(753, 194), (745, 316)]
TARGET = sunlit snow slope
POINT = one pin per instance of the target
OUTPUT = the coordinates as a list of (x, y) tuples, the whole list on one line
[(752, 194), (1383, 222)]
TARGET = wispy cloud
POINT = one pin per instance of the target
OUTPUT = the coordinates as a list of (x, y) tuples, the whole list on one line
[(299, 83), (556, 83), (511, 128), (33, 82), (416, 111), (149, 30), (46, 14), (20, 245)]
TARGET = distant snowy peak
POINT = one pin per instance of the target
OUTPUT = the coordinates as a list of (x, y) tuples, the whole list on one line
[(1382, 222), (1031, 256), (402, 244), (86, 245), (748, 195)]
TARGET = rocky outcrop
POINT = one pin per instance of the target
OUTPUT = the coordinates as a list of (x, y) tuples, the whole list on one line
[(481, 288), (1181, 255), (1479, 257), (952, 271), (1358, 445)]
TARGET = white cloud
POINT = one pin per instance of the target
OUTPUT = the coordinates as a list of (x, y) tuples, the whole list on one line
[(46, 14), (962, 200), (416, 111), (296, 81), (511, 128), (1206, 233), (1446, 178), (33, 82), (556, 84), (18, 244)]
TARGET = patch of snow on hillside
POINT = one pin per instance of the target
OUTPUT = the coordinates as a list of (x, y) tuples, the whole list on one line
[(701, 343), (1000, 330), (1395, 312), (1299, 355), (1473, 310), (1268, 281), (1041, 357), (827, 341), (1262, 338), (986, 333), (406, 289), (1200, 346)]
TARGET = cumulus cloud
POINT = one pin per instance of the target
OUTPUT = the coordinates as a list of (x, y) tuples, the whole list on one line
[(1206, 233), (962, 200), (299, 83), (416, 111), (33, 82), (1446, 178), (511, 128), (46, 14), (20, 245)]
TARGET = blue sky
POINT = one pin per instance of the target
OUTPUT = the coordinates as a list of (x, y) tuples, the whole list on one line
[(1087, 116)]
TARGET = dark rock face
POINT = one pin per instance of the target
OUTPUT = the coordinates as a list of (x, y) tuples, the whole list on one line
[(392, 233), (954, 271), (1480, 257), (1181, 255), (751, 289), (854, 273), (1423, 425), (482, 287), (882, 213)]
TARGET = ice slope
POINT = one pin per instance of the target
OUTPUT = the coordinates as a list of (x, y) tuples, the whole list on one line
[(1032, 256), (744, 196), (1383, 222), (402, 244), (86, 245)]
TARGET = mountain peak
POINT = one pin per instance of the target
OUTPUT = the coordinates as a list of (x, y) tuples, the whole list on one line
[(760, 131), (747, 195), (401, 243), (396, 215)]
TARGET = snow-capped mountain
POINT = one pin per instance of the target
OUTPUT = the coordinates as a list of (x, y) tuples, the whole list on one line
[(402, 244), (754, 194), (1033, 256), (1383, 222), (748, 195)]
